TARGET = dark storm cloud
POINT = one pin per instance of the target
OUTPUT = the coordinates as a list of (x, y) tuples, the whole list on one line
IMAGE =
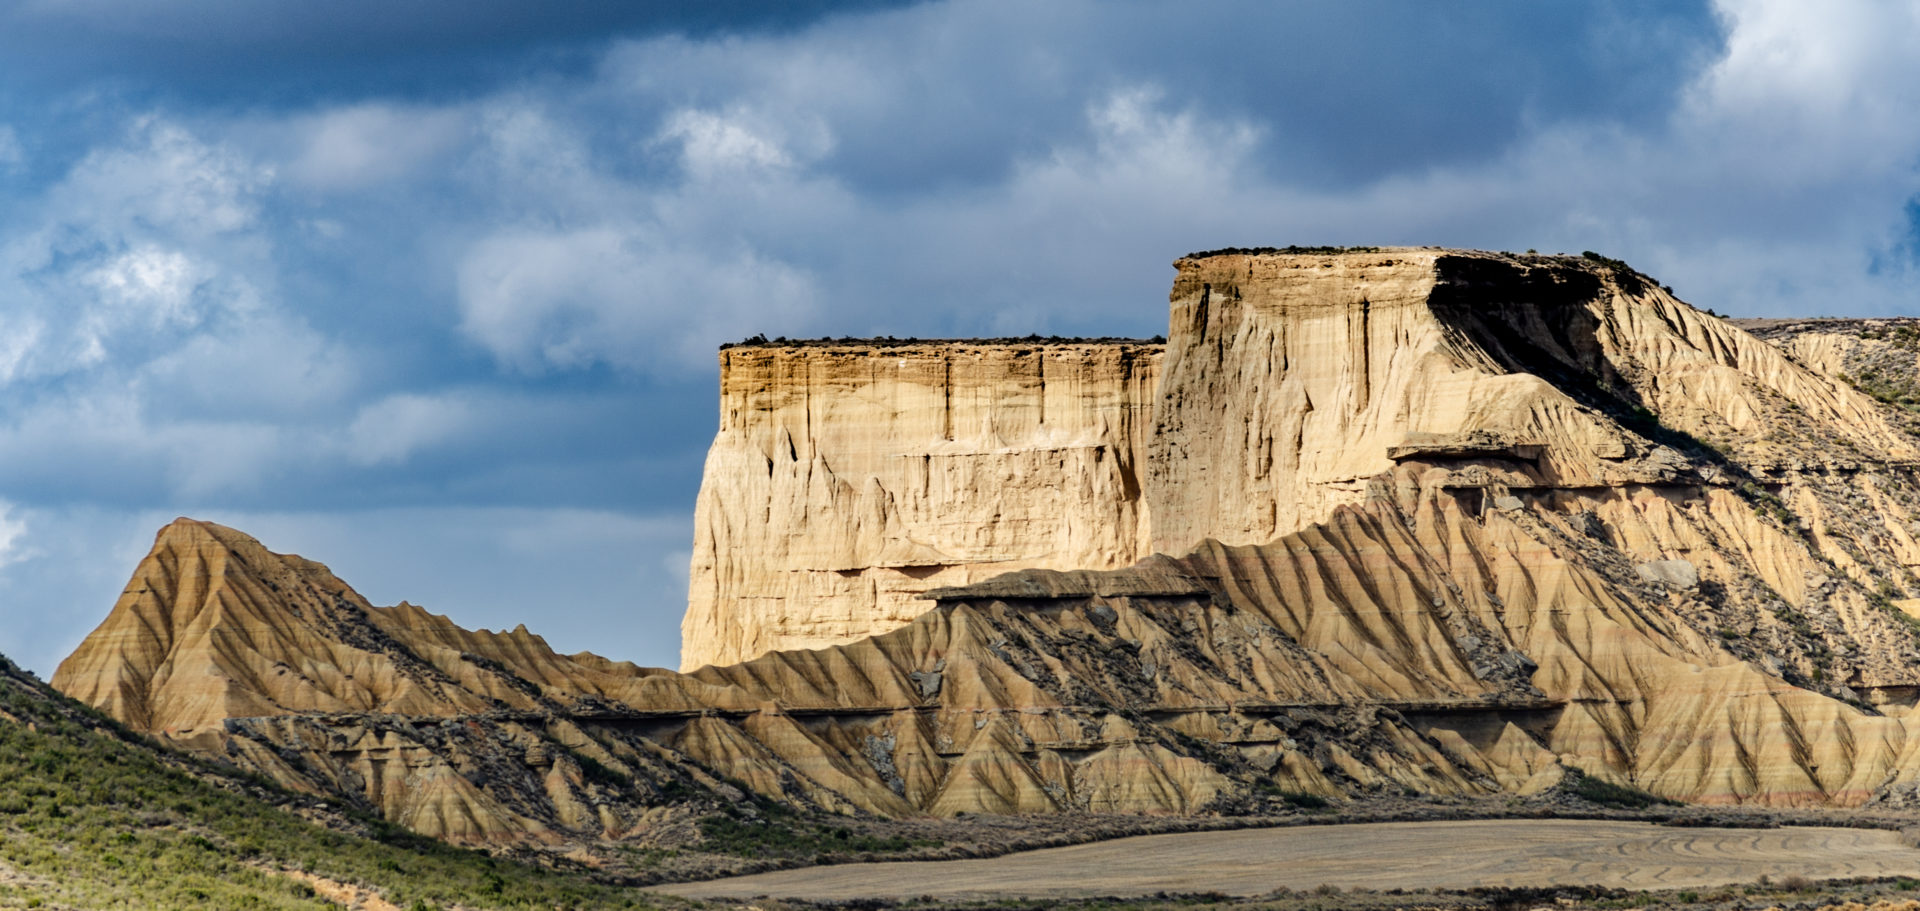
[(1350, 91), (241, 50)]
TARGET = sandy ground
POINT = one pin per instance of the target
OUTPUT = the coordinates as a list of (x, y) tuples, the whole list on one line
[(1404, 855)]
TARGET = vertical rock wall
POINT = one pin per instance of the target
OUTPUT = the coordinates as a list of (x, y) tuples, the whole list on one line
[(847, 479)]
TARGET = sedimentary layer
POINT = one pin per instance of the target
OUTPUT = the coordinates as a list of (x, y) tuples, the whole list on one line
[(848, 478)]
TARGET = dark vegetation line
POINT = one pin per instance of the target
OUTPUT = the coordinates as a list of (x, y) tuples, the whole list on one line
[(888, 341), (1295, 250)]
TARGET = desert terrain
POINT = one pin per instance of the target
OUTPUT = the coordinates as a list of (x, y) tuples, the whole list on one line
[(1375, 856)]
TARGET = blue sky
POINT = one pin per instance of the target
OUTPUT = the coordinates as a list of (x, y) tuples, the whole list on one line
[(430, 292)]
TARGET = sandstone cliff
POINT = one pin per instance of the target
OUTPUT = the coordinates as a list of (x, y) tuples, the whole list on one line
[(848, 478), (1590, 447)]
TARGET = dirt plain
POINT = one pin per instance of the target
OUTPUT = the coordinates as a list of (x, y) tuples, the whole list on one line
[(1379, 856)]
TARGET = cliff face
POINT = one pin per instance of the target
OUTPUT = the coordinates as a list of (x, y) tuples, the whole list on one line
[(846, 480), (1669, 523)]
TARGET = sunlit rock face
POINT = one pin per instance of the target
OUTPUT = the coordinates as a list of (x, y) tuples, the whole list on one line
[(849, 478)]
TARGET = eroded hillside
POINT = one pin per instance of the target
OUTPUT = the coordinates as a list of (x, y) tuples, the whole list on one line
[(980, 705), (94, 816)]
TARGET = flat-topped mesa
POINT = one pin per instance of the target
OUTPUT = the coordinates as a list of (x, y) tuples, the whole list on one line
[(1291, 379), (849, 477)]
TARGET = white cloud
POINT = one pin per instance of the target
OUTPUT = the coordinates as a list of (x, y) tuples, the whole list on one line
[(159, 283), (1810, 93), (137, 246), (13, 536), (393, 428), (159, 279), (164, 179), (619, 294), (138, 350), (20, 337), (360, 145), (716, 145)]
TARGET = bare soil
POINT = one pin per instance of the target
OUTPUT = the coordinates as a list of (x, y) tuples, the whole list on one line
[(1379, 856)]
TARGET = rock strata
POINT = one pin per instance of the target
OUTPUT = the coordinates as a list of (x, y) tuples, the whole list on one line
[(848, 478)]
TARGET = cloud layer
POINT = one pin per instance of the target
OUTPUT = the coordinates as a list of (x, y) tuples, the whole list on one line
[(481, 284)]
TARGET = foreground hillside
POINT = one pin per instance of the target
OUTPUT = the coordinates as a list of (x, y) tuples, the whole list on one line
[(1420, 522), (94, 817)]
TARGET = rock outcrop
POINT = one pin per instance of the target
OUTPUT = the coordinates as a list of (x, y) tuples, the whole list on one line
[(849, 478), (1402, 519)]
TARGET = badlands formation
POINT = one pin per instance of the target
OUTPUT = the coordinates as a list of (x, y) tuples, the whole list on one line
[(1373, 522)]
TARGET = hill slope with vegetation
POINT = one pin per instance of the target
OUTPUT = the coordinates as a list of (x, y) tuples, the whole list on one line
[(94, 816)]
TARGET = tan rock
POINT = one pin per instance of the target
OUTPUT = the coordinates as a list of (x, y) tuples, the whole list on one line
[(1292, 379), (847, 479), (982, 704)]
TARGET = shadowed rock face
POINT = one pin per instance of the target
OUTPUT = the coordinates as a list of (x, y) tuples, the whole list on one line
[(1433, 520)]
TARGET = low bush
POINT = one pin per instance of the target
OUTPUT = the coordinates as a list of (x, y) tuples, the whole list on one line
[(1607, 794)]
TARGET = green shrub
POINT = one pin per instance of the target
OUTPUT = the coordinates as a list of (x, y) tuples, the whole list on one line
[(1608, 794), (787, 837)]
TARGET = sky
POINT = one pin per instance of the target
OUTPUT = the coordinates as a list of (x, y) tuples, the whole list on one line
[(430, 292)]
